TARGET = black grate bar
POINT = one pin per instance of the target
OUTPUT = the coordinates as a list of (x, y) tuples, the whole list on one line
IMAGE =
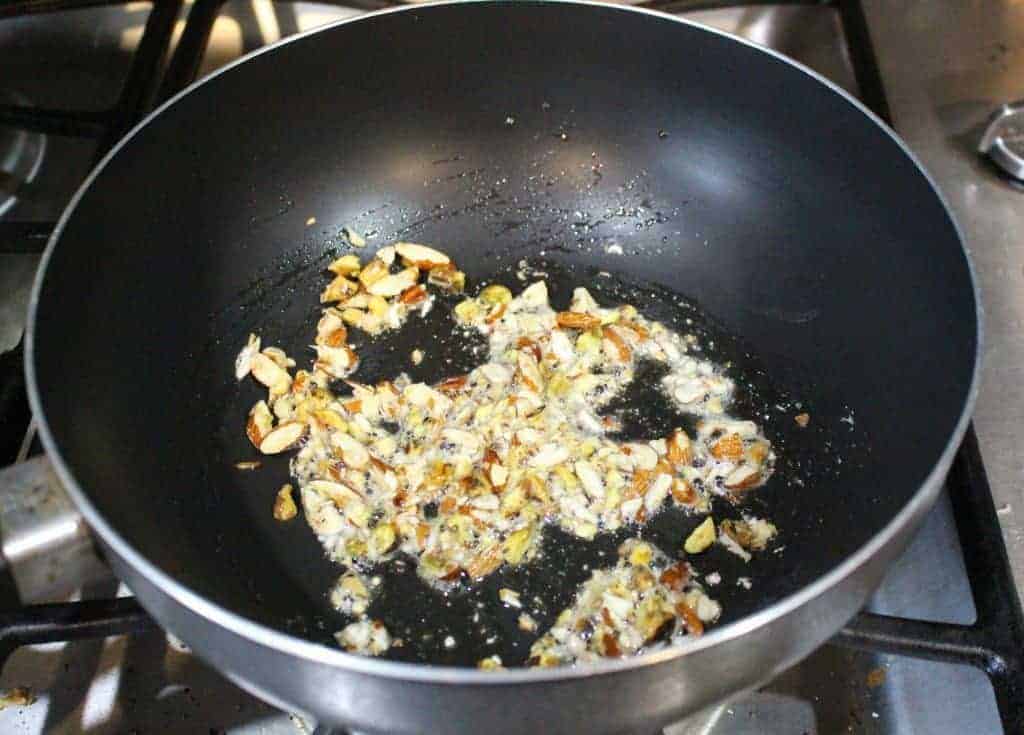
[(188, 53), (863, 58), (143, 77), (81, 124), (995, 643), (24, 237), (944, 642), (69, 621), (1000, 617), (11, 8)]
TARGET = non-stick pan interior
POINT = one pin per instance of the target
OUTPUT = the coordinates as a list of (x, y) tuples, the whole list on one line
[(796, 232)]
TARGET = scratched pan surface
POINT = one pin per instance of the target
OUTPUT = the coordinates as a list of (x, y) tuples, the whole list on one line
[(792, 231)]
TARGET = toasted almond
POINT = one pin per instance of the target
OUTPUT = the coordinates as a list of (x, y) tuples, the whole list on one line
[(413, 295), (701, 537), (336, 338), (338, 290), (591, 481), (243, 363), (284, 437), (354, 238), (619, 348), (278, 355), (346, 265), (337, 362), (327, 417), (728, 447), (486, 562), (453, 385), (284, 504), (683, 492), (248, 466), (743, 477), (386, 255), (421, 256), (272, 375), (679, 448), (353, 454), (394, 284), (447, 278), (330, 321), (529, 371), (644, 457), (259, 424), (550, 455), (374, 271), (577, 320), (693, 624)]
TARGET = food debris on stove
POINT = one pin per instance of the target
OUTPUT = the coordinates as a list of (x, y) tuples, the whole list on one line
[(463, 475)]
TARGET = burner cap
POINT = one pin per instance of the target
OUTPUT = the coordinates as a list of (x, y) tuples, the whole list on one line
[(1003, 140)]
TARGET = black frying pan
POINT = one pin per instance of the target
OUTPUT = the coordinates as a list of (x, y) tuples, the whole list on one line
[(744, 193)]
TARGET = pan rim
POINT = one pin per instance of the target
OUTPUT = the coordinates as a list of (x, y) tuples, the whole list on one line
[(263, 635)]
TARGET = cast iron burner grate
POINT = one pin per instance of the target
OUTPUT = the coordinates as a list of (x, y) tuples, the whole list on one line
[(994, 643)]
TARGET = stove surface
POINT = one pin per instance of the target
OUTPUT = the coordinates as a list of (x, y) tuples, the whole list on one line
[(151, 683)]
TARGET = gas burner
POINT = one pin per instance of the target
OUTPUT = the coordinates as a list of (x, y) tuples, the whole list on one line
[(21, 156), (1003, 140)]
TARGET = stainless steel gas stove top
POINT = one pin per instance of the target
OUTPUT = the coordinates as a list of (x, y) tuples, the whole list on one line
[(937, 70)]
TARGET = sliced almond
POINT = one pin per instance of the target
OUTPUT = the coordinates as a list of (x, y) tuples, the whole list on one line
[(529, 371), (337, 362), (284, 437), (346, 265), (591, 481), (338, 290), (284, 504), (278, 355), (644, 457), (549, 456), (243, 363), (415, 295), (353, 453), (272, 375), (394, 284), (743, 477), (577, 320), (421, 256), (373, 272), (728, 447), (615, 345), (260, 422), (386, 255), (447, 278), (679, 448)]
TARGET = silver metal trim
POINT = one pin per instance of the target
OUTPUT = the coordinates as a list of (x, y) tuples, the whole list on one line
[(995, 146), (284, 643)]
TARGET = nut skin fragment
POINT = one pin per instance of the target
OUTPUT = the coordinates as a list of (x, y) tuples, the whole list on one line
[(284, 505), (577, 320), (701, 537)]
